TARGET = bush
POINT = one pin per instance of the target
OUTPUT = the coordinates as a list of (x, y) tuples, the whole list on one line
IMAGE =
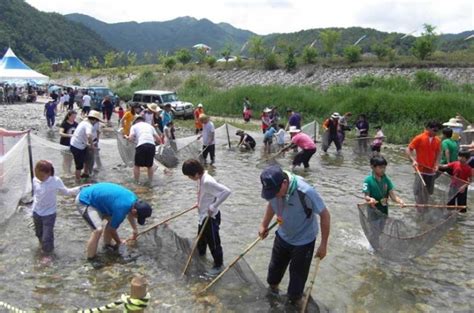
[(169, 63), (239, 62), (352, 53), (381, 51), (310, 55), (197, 86), (429, 81), (270, 63), (211, 61), (184, 56), (76, 82)]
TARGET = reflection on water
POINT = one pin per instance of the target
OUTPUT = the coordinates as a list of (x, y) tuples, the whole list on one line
[(351, 278)]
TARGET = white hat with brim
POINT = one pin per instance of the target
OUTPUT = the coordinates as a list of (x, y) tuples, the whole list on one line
[(154, 107), (267, 110), (335, 115), (95, 114), (453, 122), (469, 129), (199, 105), (294, 130)]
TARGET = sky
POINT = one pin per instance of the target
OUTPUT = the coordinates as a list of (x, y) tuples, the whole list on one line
[(282, 16)]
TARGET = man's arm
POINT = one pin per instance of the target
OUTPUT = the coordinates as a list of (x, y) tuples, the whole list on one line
[(133, 224), (325, 222), (411, 156), (267, 217), (113, 234)]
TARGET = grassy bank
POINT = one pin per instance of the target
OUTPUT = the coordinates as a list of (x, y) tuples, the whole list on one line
[(400, 105)]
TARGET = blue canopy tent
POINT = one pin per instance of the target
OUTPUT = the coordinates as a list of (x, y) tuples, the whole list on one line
[(13, 70)]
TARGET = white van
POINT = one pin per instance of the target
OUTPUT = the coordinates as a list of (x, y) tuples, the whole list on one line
[(160, 97)]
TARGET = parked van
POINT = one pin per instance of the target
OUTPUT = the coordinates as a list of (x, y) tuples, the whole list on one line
[(160, 97)]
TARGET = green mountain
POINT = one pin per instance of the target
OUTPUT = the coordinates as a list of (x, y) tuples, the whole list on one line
[(37, 36), (182, 32)]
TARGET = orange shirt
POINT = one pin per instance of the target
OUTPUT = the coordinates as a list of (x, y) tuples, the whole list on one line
[(427, 151), (198, 113), (128, 118)]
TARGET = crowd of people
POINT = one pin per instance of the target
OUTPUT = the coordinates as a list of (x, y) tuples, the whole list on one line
[(289, 197)]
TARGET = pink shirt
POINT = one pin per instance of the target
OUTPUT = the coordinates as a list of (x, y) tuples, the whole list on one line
[(303, 141)]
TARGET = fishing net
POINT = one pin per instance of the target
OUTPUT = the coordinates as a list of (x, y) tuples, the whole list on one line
[(312, 129), (239, 290), (166, 155), (15, 180), (361, 145), (126, 150), (407, 233)]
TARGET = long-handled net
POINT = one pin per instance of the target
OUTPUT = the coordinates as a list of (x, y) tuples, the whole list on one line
[(405, 235), (239, 290)]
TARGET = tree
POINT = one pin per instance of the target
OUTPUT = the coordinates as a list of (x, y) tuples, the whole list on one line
[(353, 53), (110, 58), (183, 56), (132, 58), (380, 50), (256, 48), (226, 52), (270, 62), (93, 62), (201, 55), (330, 38), (77, 65), (290, 60), (309, 55), (424, 45)]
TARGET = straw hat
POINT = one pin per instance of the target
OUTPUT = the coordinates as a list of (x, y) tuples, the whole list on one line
[(95, 114), (293, 129), (154, 107), (335, 115), (453, 122)]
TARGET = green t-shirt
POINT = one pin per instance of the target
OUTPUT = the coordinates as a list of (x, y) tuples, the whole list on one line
[(452, 146), (379, 190)]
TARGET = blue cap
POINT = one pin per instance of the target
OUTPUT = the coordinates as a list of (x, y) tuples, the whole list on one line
[(143, 211), (272, 177)]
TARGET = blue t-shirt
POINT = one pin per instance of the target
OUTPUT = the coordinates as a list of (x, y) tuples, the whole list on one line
[(50, 107), (110, 200), (295, 120), (269, 133), (166, 118), (296, 228)]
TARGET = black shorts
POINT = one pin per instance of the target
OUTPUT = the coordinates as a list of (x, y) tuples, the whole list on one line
[(144, 155), (375, 148), (86, 110), (79, 157)]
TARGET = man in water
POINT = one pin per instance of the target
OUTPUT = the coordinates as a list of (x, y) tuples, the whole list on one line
[(295, 203), (428, 153), (113, 203)]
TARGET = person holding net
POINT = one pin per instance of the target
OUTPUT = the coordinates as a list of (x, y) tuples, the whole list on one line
[(295, 203), (427, 147), (462, 177)]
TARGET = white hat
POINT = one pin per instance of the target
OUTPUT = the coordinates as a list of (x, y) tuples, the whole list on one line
[(267, 110), (153, 107), (199, 105), (469, 129), (453, 122), (95, 114), (335, 115), (293, 129)]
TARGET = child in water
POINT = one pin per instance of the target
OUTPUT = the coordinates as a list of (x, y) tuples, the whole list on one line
[(45, 188), (378, 141)]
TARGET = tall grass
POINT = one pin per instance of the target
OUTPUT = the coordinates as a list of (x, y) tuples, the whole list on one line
[(402, 106)]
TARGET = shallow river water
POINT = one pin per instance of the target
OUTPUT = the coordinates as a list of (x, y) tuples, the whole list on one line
[(351, 278)]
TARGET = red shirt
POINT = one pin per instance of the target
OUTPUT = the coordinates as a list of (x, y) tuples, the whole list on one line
[(461, 171), (427, 151)]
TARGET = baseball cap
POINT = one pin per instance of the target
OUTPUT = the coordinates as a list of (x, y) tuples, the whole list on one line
[(271, 178), (143, 211)]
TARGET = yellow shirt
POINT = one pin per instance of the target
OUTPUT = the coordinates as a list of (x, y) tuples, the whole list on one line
[(127, 121)]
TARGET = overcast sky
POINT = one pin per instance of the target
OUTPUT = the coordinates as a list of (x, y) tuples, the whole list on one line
[(270, 16)]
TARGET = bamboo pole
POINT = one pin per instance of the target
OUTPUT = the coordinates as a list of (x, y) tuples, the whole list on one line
[(434, 206), (165, 221), (195, 245), (308, 292), (30, 157), (228, 137), (235, 261)]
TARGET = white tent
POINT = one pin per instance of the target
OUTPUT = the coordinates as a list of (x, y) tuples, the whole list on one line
[(12, 69)]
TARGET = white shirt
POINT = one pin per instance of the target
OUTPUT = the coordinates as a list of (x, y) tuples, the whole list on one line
[(208, 137), (66, 98), (210, 195), (148, 116), (44, 194), (79, 138), (86, 101), (95, 132), (62, 99), (280, 136), (143, 133)]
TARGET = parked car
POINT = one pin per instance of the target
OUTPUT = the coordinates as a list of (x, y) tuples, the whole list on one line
[(98, 94), (160, 97)]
